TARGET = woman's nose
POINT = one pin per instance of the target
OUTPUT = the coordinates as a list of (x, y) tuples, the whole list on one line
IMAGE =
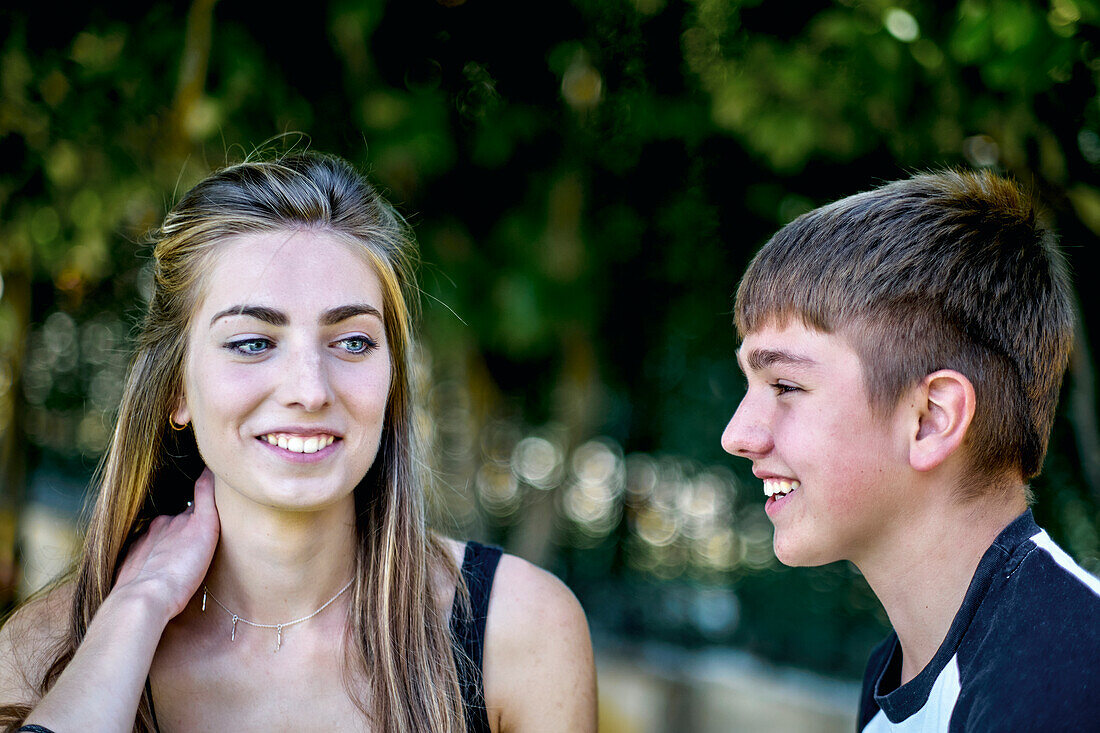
[(306, 381), (747, 434)]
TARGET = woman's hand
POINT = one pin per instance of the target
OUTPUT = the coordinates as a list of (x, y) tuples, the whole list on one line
[(170, 560), (102, 684)]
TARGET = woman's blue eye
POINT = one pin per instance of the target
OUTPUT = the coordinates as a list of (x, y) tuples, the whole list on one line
[(249, 347), (357, 344)]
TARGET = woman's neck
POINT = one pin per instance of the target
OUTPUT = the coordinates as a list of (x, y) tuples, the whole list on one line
[(273, 565)]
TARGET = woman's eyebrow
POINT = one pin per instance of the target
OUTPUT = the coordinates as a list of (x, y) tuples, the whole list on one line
[(277, 318), (259, 312), (341, 313)]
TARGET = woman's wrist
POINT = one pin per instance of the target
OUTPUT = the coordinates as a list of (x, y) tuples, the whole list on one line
[(137, 605), (101, 686)]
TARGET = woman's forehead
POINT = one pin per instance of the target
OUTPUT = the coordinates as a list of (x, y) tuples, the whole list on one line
[(299, 270)]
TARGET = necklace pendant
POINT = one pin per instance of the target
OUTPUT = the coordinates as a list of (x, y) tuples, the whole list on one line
[(278, 627)]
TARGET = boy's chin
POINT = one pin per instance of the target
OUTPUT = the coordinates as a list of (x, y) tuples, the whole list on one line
[(796, 556)]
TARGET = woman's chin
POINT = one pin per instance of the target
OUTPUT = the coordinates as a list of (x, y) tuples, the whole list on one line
[(289, 497)]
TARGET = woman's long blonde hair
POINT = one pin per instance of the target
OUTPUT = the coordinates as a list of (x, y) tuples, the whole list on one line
[(400, 637)]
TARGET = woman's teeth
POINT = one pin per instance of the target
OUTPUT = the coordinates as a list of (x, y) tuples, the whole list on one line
[(297, 444), (779, 487)]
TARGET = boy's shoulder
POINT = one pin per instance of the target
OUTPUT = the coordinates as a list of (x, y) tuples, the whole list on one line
[(1021, 653), (1031, 656), (1037, 595)]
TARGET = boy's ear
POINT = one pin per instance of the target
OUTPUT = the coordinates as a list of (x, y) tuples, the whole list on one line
[(945, 404)]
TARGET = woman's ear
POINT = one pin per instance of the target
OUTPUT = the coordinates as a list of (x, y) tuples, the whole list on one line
[(181, 415), (945, 405)]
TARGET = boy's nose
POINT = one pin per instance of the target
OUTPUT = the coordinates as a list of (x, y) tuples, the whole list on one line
[(745, 435)]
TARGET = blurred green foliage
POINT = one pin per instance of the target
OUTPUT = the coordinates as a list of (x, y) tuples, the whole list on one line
[(587, 180)]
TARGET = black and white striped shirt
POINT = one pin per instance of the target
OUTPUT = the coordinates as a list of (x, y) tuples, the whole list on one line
[(1022, 654)]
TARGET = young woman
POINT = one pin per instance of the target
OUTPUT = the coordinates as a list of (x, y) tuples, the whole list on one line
[(294, 585)]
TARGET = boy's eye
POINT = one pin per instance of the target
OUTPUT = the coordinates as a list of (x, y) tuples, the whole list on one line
[(357, 344), (250, 346), (783, 388)]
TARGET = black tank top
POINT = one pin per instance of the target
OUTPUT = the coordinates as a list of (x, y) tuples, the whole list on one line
[(479, 565), (468, 632)]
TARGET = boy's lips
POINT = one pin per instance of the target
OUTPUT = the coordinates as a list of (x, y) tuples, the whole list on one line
[(780, 487), (775, 484)]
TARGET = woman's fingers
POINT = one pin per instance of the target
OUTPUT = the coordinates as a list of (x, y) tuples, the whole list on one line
[(205, 512), (206, 516), (175, 551), (204, 492)]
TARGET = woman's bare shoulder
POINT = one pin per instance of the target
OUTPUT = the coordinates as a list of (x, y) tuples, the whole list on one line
[(538, 666), (446, 571), (29, 641), (456, 550), (524, 593)]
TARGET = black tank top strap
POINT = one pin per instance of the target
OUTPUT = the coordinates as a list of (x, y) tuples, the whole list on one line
[(468, 631)]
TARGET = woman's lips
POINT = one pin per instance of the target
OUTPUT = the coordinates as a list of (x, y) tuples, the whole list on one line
[(296, 443)]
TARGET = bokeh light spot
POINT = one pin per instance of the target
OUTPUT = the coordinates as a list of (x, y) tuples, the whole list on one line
[(45, 225), (582, 85), (1089, 144), (86, 208), (981, 150), (901, 25), (1063, 13), (498, 489), (538, 462), (927, 53)]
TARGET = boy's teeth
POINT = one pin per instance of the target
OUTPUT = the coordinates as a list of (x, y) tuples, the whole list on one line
[(779, 487), (296, 444)]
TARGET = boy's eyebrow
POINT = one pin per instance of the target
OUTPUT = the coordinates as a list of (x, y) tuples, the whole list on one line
[(277, 318), (759, 359)]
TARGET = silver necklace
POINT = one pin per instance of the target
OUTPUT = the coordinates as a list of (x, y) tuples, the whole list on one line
[(278, 627)]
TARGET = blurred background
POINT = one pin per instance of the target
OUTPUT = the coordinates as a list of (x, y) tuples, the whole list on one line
[(587, 180)]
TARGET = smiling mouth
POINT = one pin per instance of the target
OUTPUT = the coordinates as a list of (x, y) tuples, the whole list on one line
[(298, 444), (779, 487)]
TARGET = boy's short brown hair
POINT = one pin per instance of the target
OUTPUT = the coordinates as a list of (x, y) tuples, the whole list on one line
[(949, 270)]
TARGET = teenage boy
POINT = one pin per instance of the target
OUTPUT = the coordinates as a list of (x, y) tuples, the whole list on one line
[(904, 350)]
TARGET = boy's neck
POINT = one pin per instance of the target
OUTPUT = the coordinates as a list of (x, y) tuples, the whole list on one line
[(921, 574)]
